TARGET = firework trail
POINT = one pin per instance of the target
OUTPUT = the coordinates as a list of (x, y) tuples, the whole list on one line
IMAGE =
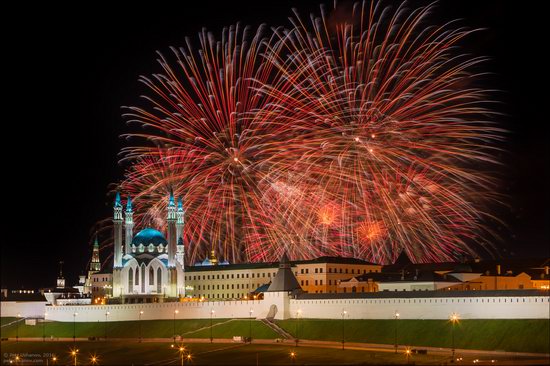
[(392, 129), (360, 134)]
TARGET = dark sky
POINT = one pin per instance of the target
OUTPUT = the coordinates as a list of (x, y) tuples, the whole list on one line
[(70, 69)]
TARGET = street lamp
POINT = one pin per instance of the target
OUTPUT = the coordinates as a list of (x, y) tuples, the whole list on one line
[(298, 314), (293, 356), (106, 315), (408, 354), (181, 350), (74, 327), (396, 315), (454, 319), (343, 329), (17, 328), (74, 353), (211, 314), (93, 360), (250, 326), (175, 312), (189, 358), (140, 314), (44, 328)]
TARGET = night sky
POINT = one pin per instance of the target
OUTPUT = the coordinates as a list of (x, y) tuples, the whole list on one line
[(70, 70)]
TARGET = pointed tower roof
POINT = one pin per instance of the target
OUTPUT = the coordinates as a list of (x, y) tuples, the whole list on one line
[(117, 200), (403, 259), (96, 242), (129, 204), (180, 204), (171, 199), (284, 280)]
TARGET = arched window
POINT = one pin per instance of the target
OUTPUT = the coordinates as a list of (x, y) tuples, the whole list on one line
[(159, 280), (137, 276), (130, 281), (143, 279), (151, 276)]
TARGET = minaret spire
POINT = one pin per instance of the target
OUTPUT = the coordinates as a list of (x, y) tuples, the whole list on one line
[(117, 232), (129, 225), (172, 232), (180, 214)]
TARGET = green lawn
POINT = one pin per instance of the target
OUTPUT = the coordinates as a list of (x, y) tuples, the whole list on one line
[(126, 353), (510, 335), (198, 328)]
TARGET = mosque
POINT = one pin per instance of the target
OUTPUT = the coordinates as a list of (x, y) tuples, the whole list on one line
[(148, 267)]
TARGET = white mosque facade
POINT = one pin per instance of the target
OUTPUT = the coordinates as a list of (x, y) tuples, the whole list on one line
[(148, 266)]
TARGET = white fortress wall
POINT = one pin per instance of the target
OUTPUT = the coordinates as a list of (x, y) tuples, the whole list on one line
[(26, 309), (530, 307), (154, 311), (487, 307)]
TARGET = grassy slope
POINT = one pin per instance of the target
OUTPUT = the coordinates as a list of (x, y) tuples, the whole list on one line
[(199, 328), (509, 335)]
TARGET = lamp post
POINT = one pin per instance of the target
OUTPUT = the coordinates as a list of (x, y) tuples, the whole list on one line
[(408, 354), (396, 315), (293, 356), (250, 326), (343, 329), (298, 314), (74, 353), (74, 328), (106, 315), (454, 319), (44, 328), (174, 323), (140, 314), (211, 314), (182, 350), (93, 360), (17, 328)]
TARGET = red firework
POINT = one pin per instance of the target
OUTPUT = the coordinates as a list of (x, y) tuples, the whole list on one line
[(361, 135)]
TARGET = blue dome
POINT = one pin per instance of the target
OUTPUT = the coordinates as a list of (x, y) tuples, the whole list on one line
[(149, 236)]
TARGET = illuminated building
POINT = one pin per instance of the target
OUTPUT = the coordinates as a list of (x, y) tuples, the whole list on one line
[(149, 267)]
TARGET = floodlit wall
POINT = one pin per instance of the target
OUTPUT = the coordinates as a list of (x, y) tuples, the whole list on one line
[(282, 307), (26, 309), (529, 307), (153, 311)]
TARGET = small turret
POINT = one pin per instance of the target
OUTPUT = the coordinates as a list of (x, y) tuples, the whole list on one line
[(95, 265), (60, 278)]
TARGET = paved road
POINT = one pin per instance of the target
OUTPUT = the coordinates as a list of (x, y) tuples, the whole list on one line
[(463, 356)]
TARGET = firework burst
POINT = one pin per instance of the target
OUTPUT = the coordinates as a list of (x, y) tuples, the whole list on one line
[(387, 120), (358, 134)]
